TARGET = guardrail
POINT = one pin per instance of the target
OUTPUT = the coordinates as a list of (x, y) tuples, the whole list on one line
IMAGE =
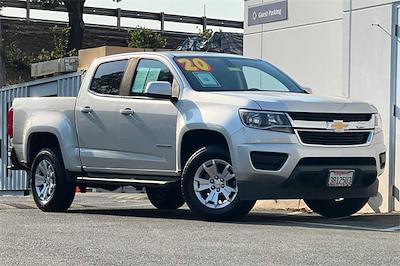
[(120, 13)]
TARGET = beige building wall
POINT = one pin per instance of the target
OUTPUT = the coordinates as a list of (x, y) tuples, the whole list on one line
[(369, 67), (332, 47), (308, 42)]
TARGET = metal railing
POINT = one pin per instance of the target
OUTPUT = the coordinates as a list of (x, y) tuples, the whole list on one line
[(120, 13)]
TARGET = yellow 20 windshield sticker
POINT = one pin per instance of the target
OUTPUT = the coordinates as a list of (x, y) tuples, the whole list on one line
[(194, 64)]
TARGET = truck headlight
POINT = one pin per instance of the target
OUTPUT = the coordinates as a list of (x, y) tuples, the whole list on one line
[(378, 123), (266, 120)]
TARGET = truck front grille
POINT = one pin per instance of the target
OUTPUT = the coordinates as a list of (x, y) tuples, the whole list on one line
[(330, 117), (333, 138)]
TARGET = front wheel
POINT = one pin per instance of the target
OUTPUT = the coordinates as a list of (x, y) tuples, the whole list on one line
[(51, 188), (334, 208), (209, 185)]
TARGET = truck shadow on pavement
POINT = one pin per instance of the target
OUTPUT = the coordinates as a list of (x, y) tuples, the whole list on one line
[(369, 222)]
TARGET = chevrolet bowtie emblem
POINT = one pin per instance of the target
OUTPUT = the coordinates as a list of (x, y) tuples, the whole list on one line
[(338, 125)]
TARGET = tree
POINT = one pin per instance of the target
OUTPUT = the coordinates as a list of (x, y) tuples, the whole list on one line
[(75, 19), (76, 24)]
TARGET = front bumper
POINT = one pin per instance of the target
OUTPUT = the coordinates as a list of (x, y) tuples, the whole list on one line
[(296, 179)]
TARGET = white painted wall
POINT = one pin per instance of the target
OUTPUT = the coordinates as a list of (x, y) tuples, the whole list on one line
[(358, 4), (321, 49), (308, 42), (370, 71), (313, 49)]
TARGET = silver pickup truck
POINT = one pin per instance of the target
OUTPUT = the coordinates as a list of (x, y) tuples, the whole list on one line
[(215, 131)]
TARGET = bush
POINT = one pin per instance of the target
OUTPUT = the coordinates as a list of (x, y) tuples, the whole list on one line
[(206, 34), (15, 58), (146, 38), (20, 60), (60, 42)]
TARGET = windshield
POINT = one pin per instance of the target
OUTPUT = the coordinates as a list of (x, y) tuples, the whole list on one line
[(212, 73)]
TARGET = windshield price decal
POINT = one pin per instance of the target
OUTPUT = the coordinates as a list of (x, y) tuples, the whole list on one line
[(194, 64)]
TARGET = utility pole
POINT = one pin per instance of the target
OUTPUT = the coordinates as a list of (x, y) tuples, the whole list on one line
[(204, 19), (2, 63)]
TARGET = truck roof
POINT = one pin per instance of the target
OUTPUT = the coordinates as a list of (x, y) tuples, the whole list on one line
[(171, 54)]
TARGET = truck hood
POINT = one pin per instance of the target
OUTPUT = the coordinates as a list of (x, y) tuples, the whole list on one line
[(299, 102)]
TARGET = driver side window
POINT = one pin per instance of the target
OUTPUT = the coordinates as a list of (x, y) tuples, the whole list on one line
[(149, 70)]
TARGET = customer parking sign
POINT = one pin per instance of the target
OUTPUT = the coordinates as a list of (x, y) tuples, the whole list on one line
[(265, 13)]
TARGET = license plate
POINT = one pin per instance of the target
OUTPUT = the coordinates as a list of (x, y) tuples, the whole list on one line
[(340, 178)]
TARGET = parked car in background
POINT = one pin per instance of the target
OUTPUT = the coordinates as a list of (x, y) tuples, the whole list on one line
[(215, 131)]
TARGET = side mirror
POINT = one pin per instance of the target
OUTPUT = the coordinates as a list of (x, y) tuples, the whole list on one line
[(159, 89), (308, 90)]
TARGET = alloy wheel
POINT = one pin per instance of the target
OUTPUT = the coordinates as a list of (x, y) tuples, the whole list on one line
[(214, 184), (45, 181)]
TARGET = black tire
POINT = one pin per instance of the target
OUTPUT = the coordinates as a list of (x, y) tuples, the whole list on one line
[(166, 198), (336, 208), (236, 209), (64, 191)]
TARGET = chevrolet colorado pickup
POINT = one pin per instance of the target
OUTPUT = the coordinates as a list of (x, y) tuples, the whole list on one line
[(215, 131)]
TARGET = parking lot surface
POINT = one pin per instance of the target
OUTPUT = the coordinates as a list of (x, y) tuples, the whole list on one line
[(124, 229)]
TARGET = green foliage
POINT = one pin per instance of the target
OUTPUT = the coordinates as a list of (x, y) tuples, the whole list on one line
[(146, 38), (60, 41), (206, 34), (17, 59)]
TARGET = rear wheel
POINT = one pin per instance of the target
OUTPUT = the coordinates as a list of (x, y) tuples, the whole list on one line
[(165, 197), (51, 188), (209, 185), (337, 207)]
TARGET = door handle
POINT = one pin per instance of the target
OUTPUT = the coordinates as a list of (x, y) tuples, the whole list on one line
[(86, 109), (126, 111)]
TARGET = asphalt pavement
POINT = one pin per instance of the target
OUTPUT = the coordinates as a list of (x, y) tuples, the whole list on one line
[(124, 229)]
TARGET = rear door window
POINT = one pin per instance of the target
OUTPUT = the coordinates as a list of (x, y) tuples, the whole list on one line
[(108, 77)]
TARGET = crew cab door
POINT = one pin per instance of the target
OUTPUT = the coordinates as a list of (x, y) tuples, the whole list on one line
[(147, 125), (97, 112)]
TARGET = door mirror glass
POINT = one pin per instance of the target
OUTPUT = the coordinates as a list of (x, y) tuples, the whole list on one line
[(159, 89), (308, 90)]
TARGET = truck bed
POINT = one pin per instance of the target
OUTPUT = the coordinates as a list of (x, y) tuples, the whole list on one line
[(30, 114)]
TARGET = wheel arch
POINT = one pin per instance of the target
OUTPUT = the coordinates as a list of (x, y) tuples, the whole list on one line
[(39, 140), (196, 138)]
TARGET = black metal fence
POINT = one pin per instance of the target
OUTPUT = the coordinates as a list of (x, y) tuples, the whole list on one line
[(120, 13)]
